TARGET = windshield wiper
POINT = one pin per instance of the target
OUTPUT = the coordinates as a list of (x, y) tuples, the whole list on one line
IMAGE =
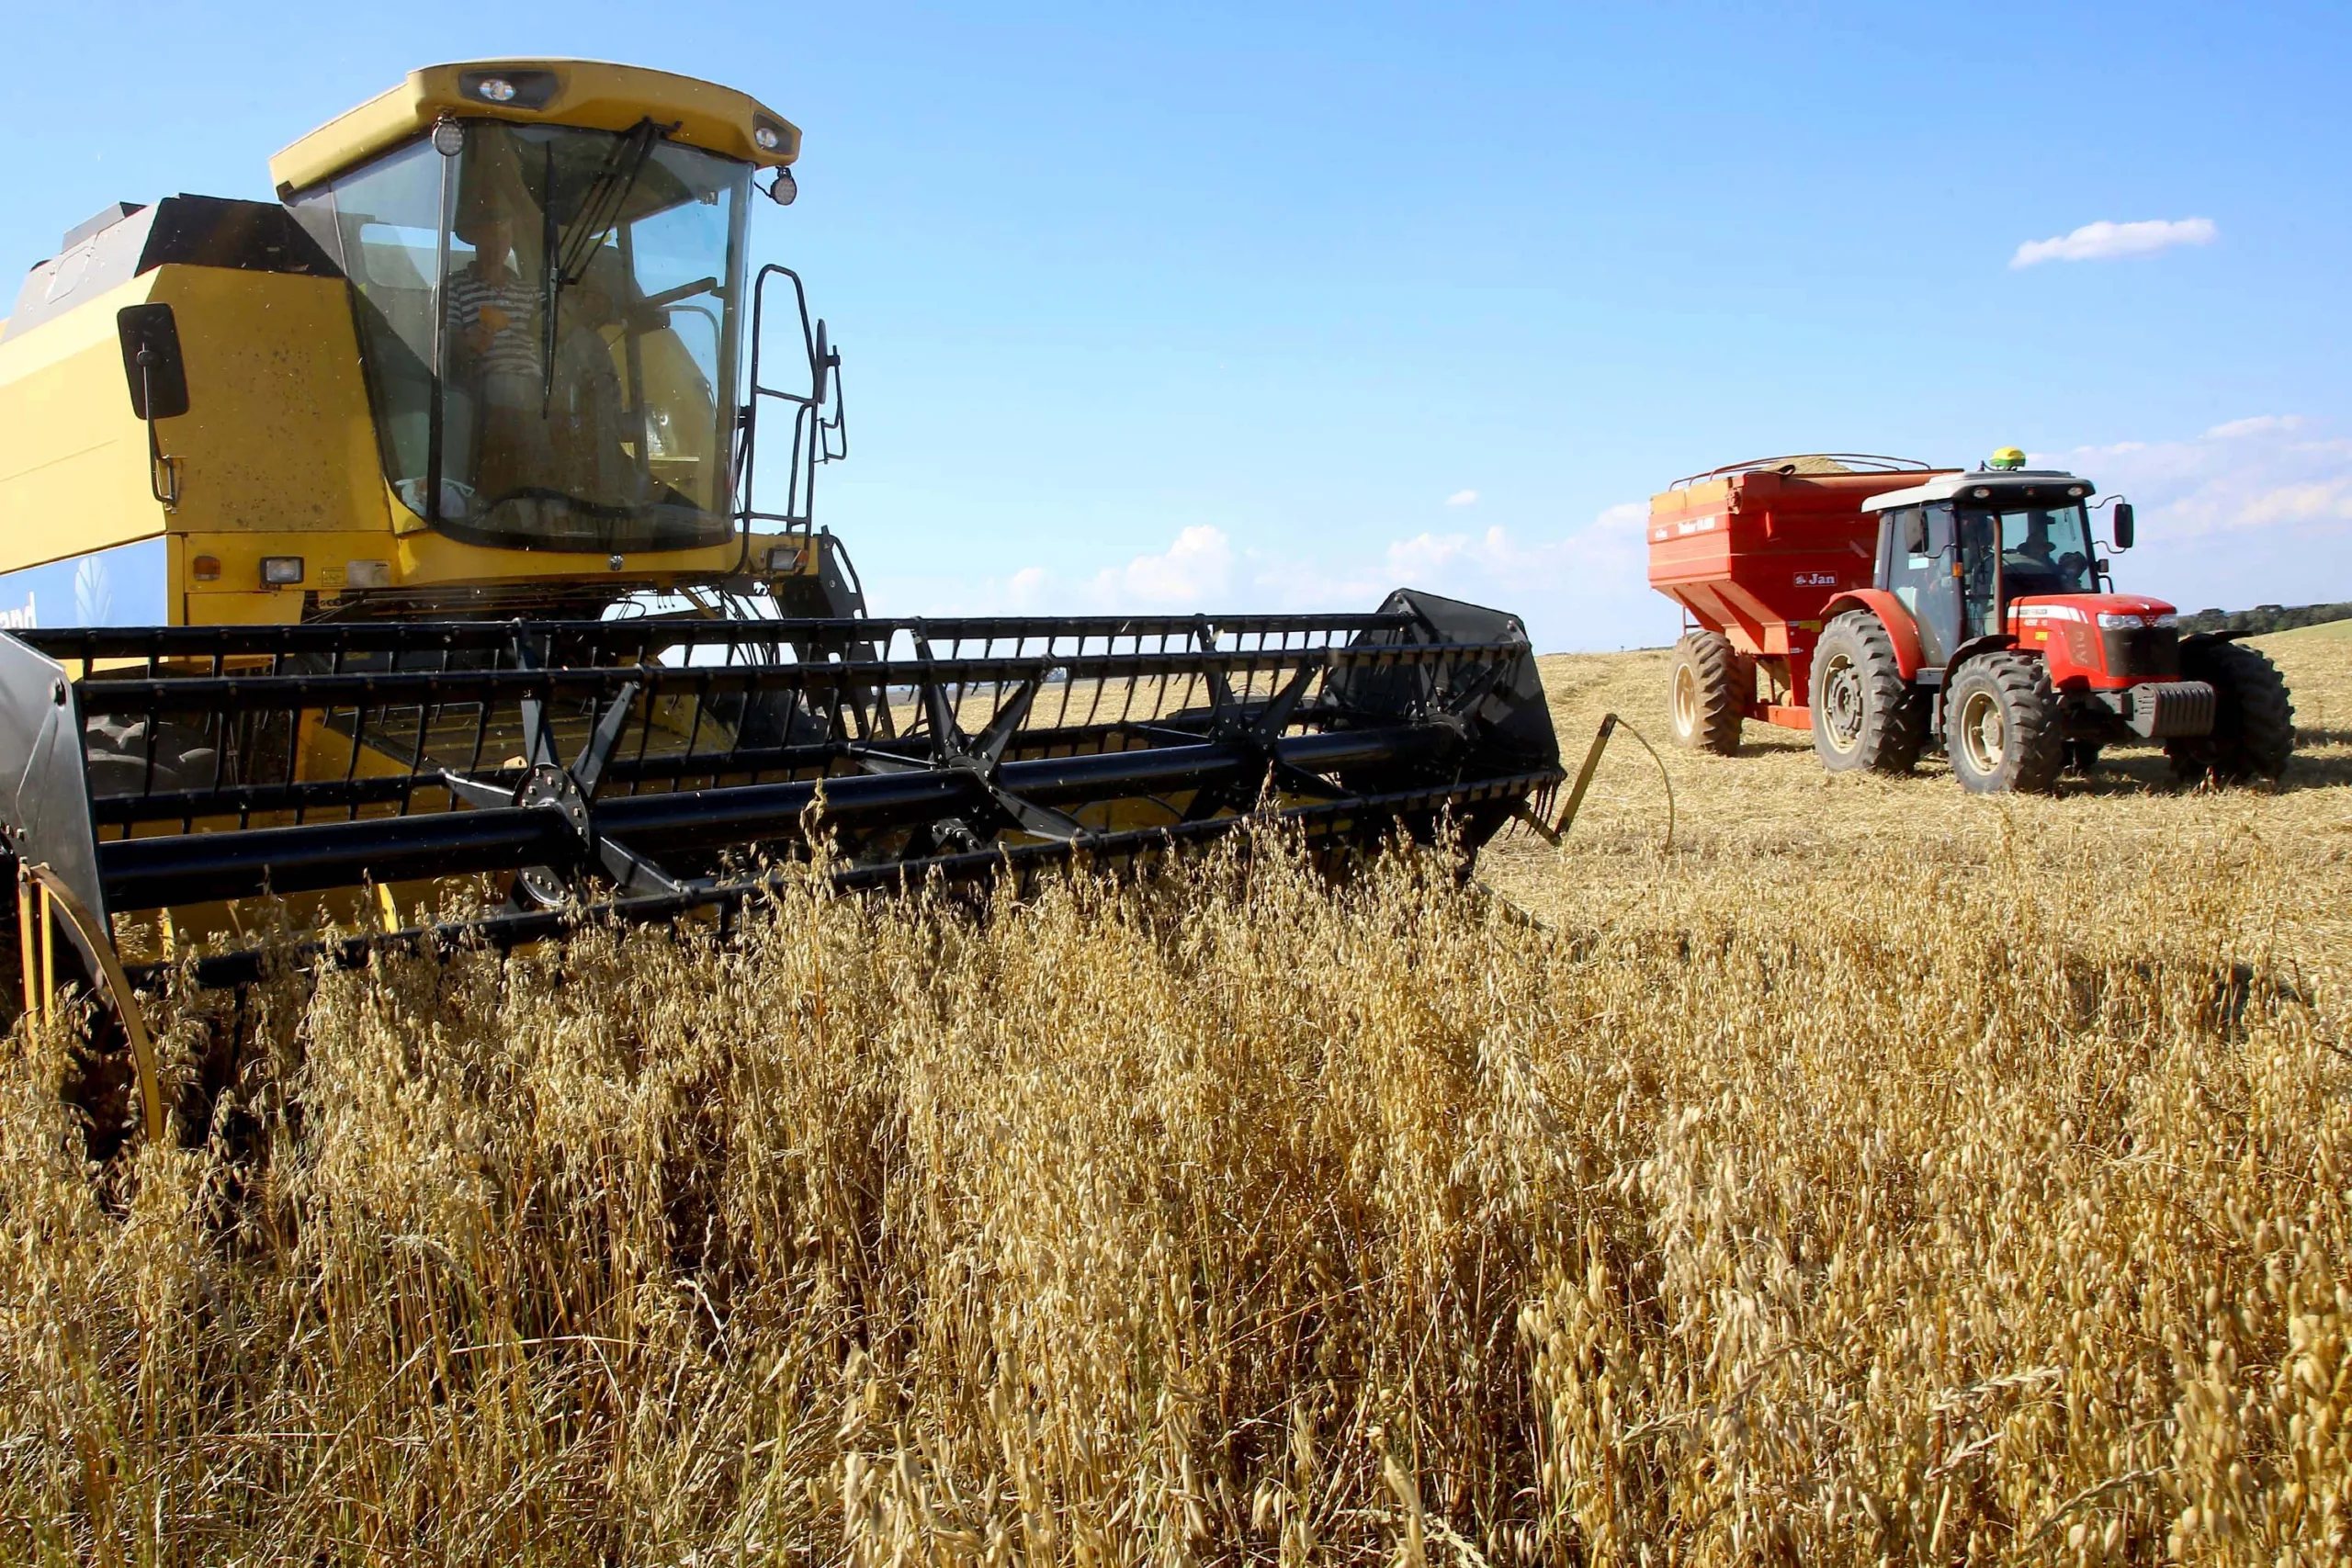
[(566, 252)]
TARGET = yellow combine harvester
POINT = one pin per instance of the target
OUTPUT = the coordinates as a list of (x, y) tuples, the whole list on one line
[(402, 534)]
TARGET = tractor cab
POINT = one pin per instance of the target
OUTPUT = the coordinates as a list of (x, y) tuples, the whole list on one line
[(1997, 551)]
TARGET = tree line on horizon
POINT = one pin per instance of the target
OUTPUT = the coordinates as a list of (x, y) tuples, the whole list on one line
[(2264, 618)]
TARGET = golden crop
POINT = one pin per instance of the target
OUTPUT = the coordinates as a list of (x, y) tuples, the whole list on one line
[(1881, 1177)]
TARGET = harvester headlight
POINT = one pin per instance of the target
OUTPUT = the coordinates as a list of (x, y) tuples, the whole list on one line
[(497, 89), (281, 571), (767, 137), (784, 558), (448, 137)]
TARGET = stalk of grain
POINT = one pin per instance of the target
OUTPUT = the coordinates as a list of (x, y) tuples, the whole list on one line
[(1991, 1207)]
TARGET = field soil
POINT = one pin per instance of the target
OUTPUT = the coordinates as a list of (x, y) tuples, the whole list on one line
[(1873, 1174)]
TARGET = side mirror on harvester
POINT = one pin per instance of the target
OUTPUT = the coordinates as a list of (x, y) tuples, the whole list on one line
[(158, 378), (151, 361), (2122, 524)]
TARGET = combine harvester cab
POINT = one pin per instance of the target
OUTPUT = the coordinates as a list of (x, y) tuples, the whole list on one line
[(1877, 602), (410, 531)]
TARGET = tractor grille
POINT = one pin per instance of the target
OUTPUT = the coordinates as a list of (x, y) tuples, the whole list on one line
[(2142, 653)]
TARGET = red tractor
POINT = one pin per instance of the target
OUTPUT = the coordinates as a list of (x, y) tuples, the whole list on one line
[(1876, 602)]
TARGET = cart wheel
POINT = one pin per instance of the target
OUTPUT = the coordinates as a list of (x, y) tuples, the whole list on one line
[(1703, 692)]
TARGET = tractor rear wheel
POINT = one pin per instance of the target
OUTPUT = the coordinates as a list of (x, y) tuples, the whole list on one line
[(1865, 714), (2254, 721), (1703, 688), (2002, 727)]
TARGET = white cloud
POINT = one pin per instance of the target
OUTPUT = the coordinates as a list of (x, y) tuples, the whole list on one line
[(2104, 241), (2257, 510), (1463, 497), (1026, 589), (1583, 588), (1188, 575), (2260, 424), (2254, 510)]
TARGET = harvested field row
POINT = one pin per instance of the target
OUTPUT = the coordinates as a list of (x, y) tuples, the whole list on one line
[(1879, 1177)]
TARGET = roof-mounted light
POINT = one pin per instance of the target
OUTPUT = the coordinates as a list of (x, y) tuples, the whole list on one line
[(767, 139), (509, 89)]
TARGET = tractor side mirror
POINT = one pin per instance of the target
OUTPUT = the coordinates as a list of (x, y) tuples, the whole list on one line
[(2122, 524), (152, 362)]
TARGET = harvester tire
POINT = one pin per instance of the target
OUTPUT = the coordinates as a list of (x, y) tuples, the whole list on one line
[(1865, 714), (2002, 727), (2254, 721), (1703, 693)]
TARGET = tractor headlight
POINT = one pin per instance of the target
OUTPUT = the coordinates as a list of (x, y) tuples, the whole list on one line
[(2111, 621), (2167, 622)]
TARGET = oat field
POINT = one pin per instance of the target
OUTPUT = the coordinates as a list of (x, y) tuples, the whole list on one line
[(1879, 1175)]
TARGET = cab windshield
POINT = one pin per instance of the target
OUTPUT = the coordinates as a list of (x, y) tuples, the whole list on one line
[(547, 318), (2044, 549)]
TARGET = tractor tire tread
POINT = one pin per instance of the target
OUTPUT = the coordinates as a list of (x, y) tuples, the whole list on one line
[(1716, 668), (1894, 722), (2035, 747), (2254, 717)]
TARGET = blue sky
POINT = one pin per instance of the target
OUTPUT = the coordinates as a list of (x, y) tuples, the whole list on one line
[(1228, 308)]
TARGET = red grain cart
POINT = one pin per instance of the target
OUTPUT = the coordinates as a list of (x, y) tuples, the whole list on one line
[(1752, 552)]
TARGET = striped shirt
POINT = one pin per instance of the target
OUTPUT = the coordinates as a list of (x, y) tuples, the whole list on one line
[(511, 350)]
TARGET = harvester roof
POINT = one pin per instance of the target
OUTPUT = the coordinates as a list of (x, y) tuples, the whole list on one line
[(585, 93), (2034, 483)]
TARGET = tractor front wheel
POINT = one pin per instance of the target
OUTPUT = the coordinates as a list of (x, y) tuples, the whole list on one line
[(2002, 727), (2254, 721), (1704, 689), (1864, 714)]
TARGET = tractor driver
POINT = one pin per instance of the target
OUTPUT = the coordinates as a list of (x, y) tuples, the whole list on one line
[(2036, 559), (2036, 553), (491, 312)]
